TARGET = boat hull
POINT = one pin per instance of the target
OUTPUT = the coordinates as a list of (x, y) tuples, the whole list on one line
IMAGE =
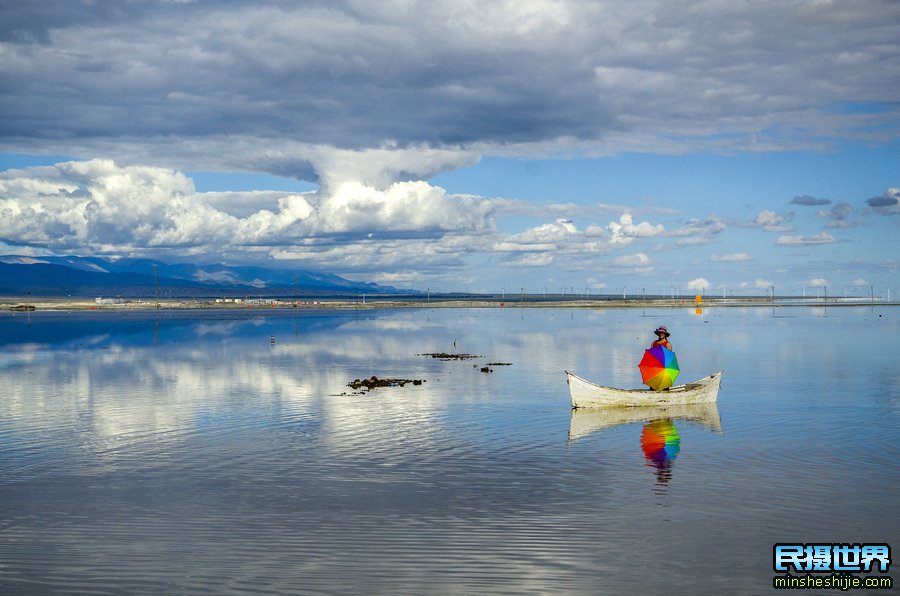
[(585, 394)]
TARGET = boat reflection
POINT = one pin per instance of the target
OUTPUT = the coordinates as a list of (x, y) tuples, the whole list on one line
[(660, 440), (585, 421)]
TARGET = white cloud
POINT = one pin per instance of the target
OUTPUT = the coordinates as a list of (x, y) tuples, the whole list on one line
[(710, 226), (625, 231), (859, 282), (773, 222), (762, 283), (560, 242), (818, 282), (820, 238), (635, 260), (730, 258), (400, 278), (413, 207), (545, 237), (698, 284), (695, 241), (839, 215), (532, 260), (98, 206)]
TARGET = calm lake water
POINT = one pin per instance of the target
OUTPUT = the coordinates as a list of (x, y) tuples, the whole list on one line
[(222, 451)]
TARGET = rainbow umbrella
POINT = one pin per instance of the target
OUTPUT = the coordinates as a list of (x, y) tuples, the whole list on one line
[(659, 368)]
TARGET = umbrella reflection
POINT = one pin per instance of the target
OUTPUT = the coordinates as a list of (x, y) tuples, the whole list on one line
[(660, 439), (660, 443)]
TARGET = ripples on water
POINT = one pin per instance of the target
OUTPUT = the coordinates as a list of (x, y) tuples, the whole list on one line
[(191, 453)]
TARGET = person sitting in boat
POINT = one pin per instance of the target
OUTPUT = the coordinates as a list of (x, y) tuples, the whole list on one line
[(662, 338)]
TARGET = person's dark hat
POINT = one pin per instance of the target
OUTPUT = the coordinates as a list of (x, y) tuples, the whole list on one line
[(662, 329)]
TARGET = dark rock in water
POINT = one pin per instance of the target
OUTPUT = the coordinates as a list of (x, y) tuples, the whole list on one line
[(446, 356), (373, 382), (486, 369), (499, 363)]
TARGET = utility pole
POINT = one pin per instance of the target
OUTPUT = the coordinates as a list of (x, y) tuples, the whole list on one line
[(156, 283)]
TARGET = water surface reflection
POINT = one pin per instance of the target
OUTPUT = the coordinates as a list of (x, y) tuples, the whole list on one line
[(190, 454), (660, 440)]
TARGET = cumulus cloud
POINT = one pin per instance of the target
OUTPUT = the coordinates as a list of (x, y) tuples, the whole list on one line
[(532, 260), (762, 283), (699, 231), (818, 282), (541, 238), (839, 215), (636, 260), (399, 278), (887, 204), (809, 201), (820, 238), (694, 241), (555, 210), (106, 208), (773, 222), (567, 241), (625, 231), (699, 284), (730, 258)]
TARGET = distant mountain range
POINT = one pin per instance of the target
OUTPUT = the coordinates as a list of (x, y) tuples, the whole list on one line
[(131, 278)]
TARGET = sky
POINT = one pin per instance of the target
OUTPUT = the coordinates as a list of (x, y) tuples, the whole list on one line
[(714, 146)]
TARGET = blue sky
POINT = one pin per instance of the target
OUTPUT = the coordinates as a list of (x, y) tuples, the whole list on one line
[(482, 146)]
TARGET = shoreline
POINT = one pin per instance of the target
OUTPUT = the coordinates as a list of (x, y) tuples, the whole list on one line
[(19, 304)]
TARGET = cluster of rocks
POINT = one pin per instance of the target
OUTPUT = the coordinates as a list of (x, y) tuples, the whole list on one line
[(488, 369), (373, 382), (446, 356)]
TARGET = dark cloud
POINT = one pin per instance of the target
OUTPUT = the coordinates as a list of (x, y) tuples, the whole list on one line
[(886, 204), (840, 215), (32, 22), (357, 75), (808, 200), (882, 201)]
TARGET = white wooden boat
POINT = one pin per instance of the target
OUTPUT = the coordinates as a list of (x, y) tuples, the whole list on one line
[(585, 394), (585, 421)]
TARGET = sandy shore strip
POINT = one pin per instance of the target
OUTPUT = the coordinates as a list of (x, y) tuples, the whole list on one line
[(82, 304)]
